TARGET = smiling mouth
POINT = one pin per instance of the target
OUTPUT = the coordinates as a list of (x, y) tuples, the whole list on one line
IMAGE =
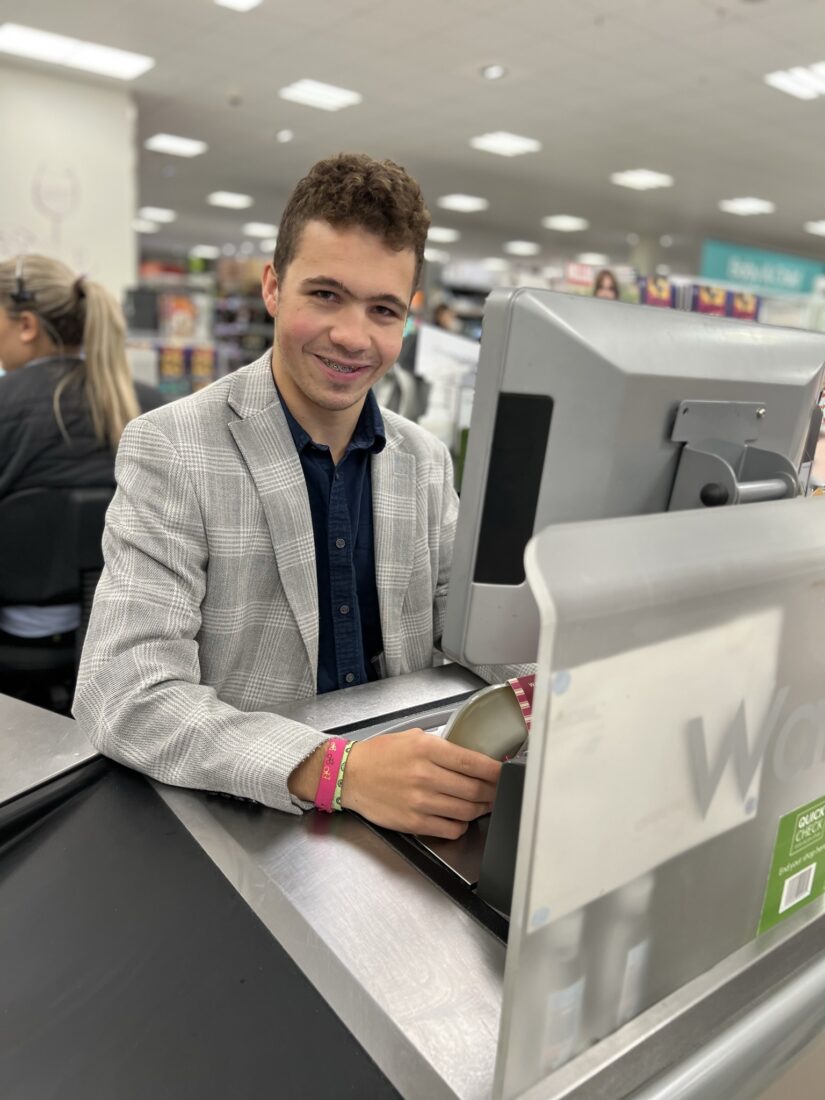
[(342, 368)]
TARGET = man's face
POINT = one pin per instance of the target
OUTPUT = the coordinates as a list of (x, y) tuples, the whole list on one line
[(340, 311)]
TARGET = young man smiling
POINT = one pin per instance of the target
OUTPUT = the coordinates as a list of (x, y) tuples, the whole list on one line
[(275, 536)]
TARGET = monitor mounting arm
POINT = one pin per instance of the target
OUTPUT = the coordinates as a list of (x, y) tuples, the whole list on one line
[(719, 462)]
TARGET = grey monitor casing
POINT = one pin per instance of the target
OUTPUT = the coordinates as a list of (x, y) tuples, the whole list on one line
[(615, 374)]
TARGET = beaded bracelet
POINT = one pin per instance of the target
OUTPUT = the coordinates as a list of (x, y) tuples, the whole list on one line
[(339, 783)]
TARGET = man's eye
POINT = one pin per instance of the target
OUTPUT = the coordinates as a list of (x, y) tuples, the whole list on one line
[(324, 295), (386, 311)]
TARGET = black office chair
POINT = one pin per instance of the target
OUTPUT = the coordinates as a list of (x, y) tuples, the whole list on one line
[(50, 553)]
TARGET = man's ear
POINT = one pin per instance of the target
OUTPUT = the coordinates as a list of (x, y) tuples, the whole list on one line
[(270, 290)]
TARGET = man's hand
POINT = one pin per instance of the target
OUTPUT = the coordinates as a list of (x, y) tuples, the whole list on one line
[(417, 783)]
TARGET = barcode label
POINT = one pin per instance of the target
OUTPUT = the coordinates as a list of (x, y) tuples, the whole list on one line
[(797, 887)]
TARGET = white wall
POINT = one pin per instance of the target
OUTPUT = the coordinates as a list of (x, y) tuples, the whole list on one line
[(67, 182)]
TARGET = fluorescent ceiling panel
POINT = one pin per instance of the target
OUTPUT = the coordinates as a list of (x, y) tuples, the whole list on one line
[(801, 82), (238, 5), (504, 144), (157, 214), (641, 179), (260, 229), (565, 223), (595, 259), (230, 199), (73, 53), (436, 256), (326, 97), (747, 206), (175, 146), (442, 235), (522, 248), (205, 252), (465, 204)]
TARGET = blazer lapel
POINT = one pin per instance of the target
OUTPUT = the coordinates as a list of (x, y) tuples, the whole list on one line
[(266, 444), (394, 520)]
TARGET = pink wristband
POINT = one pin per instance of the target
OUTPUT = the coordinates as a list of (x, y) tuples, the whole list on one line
[(329, 774)]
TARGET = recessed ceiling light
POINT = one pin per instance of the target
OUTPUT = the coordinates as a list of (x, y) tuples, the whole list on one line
[(436, 256), (632, 239), (284, 136), (268, 245), (504, 144), (441, 235), (238, 5), (801, 82), (745, 207), (666, 240), (205, 252), (260, 229), (552, 272), (143, 225), (594, 259), (817, 228), (522, 248), (466, 204), (641, 179), (326, 97), (229, 249), (230, 199), (565, 223), (247, 248), (73, 53), (157, 214), (493, 72), (496, 263), (175, 146)]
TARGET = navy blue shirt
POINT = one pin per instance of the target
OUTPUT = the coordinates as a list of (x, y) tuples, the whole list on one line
[(340, 500)]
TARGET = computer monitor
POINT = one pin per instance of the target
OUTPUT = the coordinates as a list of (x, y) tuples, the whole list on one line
[(583, 410)]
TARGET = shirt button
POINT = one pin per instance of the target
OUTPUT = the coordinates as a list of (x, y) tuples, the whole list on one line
[(350, 677), (344, 609), (340, 543)]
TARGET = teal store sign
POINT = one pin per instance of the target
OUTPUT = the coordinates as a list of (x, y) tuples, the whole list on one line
[(777, 272)]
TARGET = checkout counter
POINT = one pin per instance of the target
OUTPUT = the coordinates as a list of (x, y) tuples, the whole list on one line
[(167, 943), (170, 943)]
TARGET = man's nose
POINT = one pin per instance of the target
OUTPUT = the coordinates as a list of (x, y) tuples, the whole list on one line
[(350, 330)]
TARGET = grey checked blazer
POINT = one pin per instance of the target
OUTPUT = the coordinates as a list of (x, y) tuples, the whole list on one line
[(205, 620)]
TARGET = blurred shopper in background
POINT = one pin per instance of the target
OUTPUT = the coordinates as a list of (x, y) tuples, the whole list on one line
[(446, 317), (605, 285), (66, 394)]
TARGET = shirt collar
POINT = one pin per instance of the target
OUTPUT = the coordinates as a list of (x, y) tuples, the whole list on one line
[(60, 360), (369, 434)]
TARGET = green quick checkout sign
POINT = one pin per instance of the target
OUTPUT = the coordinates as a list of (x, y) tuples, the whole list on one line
[(797, 874), (779, 272)]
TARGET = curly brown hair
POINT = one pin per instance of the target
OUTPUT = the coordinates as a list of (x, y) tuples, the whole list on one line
[(353, 189)]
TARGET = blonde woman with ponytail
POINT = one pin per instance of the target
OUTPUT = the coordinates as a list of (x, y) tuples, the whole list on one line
[(66, 394)]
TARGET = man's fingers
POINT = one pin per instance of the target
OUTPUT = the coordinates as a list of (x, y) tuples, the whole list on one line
[(442, 827), (462, 786), (465, 761), (458, 809)]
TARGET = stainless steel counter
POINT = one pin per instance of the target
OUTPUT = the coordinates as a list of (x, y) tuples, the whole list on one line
[(413, 976), (419, 983), (36, 746)]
